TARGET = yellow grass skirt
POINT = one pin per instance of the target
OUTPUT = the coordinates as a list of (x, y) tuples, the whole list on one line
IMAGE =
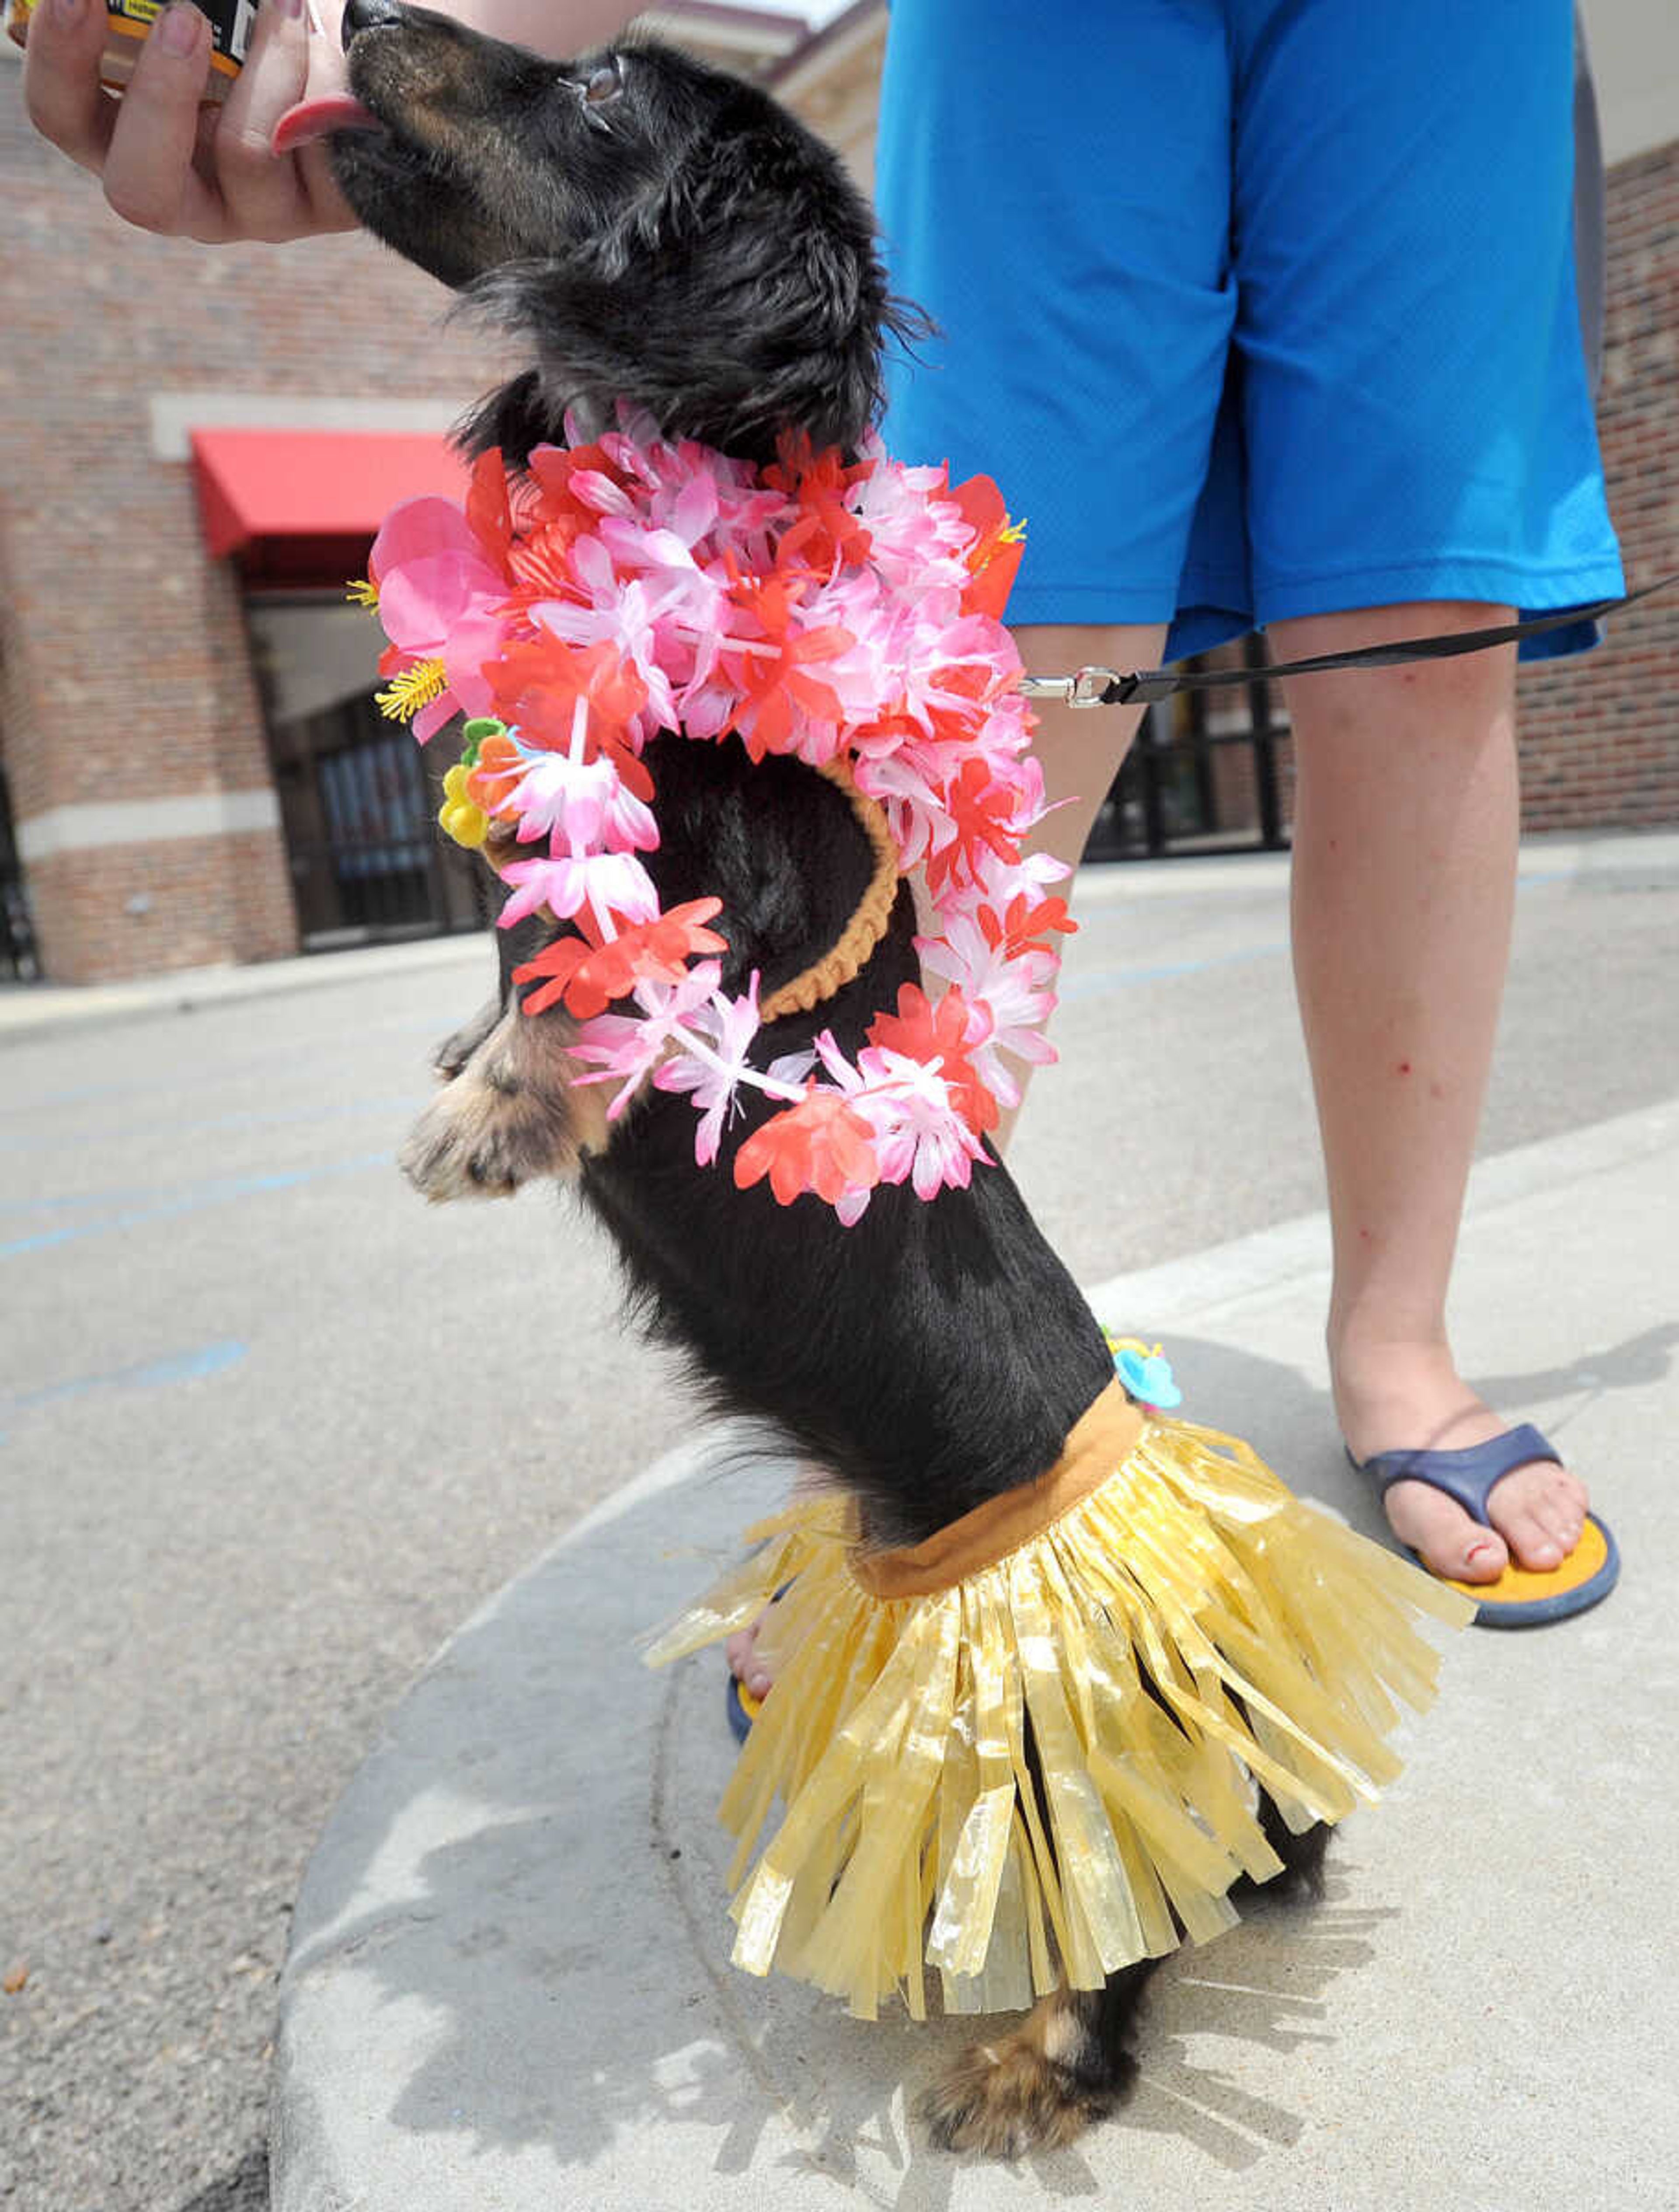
[(1157, 1557)]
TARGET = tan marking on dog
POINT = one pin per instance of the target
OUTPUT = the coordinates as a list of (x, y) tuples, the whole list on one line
[(1017, 2094), (511, 1114)]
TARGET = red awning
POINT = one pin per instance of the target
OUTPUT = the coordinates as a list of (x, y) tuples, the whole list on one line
[(286, 493)]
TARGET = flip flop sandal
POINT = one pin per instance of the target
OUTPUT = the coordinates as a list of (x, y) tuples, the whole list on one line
[(1522, 1597), (743, 1708), (740, 1705)]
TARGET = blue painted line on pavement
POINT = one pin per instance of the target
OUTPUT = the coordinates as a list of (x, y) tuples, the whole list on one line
[(170, 1207), (249, 1117), (1101, 981), (204, 1360)]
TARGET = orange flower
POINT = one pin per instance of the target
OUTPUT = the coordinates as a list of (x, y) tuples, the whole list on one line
[(821, 1144), (541, 561), (498, 768)]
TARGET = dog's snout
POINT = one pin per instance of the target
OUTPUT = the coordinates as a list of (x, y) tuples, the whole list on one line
[(363, 14)]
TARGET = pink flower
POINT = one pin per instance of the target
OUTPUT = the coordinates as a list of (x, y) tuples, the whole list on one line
[(919, 1135), (612, 886), (584, 802), (440, 599), (627, 1051), (714, 1065), (620, 614)]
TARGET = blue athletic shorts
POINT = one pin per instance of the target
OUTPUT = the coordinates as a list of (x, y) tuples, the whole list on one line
[(1253, 308)]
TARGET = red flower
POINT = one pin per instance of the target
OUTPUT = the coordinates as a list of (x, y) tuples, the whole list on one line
[(541, 561), (995, 555), (774, 681), (1025, 927), (588, 973), (926, 1032), (538, 683), (984, 812), (821, 1144), (488, 513), (553, 467), (826, 533)]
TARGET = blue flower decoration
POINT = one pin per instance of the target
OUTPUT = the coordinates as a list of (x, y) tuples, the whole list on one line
[(1147, 1375)]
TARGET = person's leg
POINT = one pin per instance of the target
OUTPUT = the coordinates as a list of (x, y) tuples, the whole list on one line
[(1081, 748), (1405, 833)]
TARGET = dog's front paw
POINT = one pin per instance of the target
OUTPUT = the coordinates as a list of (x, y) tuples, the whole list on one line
[(1036, 2088), (456, 1049), (508, 1117)]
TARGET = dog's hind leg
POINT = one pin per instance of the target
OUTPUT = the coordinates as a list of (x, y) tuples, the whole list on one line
[(1301, 1880), (508, 1114), (1066, 2066), (1069, 2062)]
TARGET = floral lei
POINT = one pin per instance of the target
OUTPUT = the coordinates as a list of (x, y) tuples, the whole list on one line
[(847, 613)]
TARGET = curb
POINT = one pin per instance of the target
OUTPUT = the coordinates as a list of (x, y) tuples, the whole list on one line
[(36, 1010)]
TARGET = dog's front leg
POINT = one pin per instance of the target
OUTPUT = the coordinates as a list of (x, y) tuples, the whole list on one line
[(459, 1047), (508, 1113)]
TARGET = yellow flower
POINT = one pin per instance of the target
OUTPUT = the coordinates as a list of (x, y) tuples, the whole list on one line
[(459, 817)]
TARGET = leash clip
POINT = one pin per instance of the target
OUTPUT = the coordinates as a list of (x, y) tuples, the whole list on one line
[(1086, 687)]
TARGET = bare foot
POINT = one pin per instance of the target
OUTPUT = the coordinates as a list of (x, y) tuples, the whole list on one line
[(1403, 1398)]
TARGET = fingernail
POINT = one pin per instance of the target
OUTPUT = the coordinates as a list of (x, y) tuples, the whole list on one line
[(291, 8), (180, 28), (69, 11)]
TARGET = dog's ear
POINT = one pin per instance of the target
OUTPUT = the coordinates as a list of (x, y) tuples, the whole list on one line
[(771, 256)]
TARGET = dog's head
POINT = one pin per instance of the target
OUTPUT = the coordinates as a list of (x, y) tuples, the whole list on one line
[(656, 231)]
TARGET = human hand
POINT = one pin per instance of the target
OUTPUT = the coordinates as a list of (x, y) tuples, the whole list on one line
[(169, 165)]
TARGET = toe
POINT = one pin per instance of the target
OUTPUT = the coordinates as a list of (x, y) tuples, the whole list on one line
[(1443, 1535), (744, 1663), (1539, 1510)]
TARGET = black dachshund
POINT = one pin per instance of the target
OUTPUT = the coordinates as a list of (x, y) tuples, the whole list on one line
[(656, 231)]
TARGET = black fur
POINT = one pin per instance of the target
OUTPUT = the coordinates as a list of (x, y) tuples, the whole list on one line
[(678, 236), (681, 243)]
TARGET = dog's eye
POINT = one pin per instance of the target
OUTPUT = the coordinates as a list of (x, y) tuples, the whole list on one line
[(602, 85)]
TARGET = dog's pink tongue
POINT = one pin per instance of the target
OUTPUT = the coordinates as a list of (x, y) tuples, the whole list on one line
[(313, 118)]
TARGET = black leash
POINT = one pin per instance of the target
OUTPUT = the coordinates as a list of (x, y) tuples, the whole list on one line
[(1107, 687)]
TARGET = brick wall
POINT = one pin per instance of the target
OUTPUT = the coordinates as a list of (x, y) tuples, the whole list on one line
[(124, 673), (119, 910), (1600, 734)]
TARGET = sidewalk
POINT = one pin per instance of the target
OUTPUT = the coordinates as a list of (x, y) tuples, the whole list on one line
[(509, 1984), (35, 1009)]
